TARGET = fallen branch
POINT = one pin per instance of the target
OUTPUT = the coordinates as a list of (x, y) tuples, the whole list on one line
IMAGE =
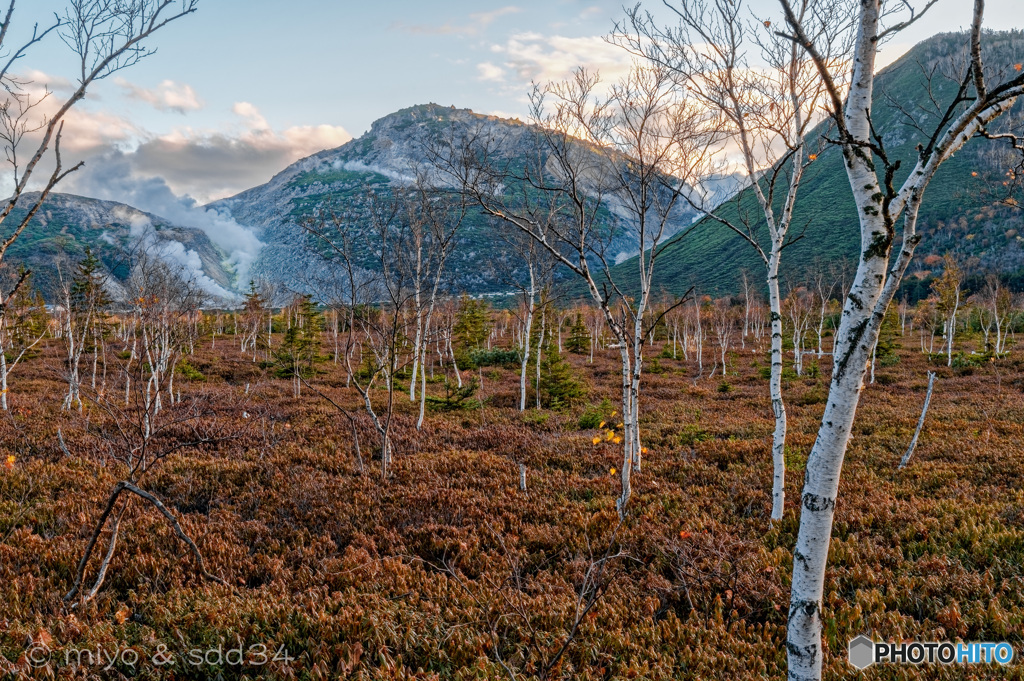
[(177, 529)]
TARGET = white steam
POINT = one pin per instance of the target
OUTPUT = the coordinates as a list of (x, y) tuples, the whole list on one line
[(111, 177), (358, 167), (174, 253)]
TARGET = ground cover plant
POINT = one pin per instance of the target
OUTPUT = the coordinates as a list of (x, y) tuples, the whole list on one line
[(448, 569)]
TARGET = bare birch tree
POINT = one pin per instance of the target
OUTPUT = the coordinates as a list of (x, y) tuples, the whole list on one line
[(22, 327), (639, 150), (163, 300), (981, 96), (947, 293), (82, 307), (432, 222), (997, 301), (105, 37), (527, 267), (768, 107), (379, 303)]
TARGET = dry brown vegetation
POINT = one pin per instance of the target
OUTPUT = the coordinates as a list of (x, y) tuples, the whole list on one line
[(447, 570)]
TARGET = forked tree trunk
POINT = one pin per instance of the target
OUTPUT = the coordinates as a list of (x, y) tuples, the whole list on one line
[(856, 336), (528, 327), (627, 410), (877, 279)]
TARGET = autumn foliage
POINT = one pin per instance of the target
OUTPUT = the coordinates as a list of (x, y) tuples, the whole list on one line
[(448, 571)]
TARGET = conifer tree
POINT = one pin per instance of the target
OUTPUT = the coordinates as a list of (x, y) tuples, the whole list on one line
[(300, 349), (85, 299), (472, 323), (559, 384), (579, 337)]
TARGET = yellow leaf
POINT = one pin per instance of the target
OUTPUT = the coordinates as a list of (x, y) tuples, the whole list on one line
[(611, 472), (597, 440)]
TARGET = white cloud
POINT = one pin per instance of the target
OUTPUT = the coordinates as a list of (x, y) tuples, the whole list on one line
[(530, 57), (477, 22), (168, 96), (203, 164), (488, 71), (171, 175), (251, 114), (85, 128), (40, 79)]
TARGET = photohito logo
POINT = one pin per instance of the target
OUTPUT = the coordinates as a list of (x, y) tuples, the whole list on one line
[(863, 652)]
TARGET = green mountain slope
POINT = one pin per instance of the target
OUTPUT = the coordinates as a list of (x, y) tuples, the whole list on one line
[(964, 209)]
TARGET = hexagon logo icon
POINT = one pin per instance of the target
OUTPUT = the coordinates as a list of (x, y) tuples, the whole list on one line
[(862, 652)]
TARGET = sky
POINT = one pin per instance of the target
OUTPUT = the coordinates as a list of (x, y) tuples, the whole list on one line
[(242, 88)]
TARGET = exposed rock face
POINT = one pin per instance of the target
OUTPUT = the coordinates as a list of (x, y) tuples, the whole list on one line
[(67, 224), (394, 151)]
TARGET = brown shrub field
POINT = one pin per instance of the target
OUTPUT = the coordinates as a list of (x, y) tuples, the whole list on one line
[(447, 570)]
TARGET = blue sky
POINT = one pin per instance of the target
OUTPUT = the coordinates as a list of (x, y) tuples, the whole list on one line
[(243, 88)]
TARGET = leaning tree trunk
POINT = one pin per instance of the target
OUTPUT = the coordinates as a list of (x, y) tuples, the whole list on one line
[(857, 334), (920, 422)]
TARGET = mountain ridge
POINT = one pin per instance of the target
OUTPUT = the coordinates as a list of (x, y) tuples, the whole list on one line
[(393, 152)]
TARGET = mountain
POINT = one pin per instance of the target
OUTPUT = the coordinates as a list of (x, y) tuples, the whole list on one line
[(390, 154), (68, 224), (965, 210)]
